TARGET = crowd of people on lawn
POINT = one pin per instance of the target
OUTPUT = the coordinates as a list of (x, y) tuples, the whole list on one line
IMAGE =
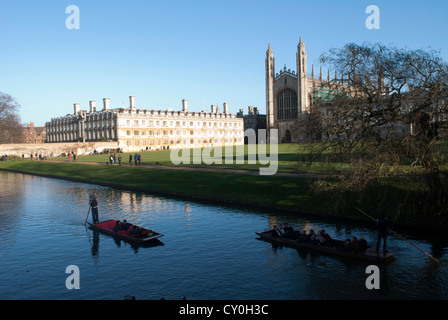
[(133, 159)]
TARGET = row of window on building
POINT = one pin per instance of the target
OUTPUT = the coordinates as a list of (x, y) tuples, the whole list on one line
[(166, 123), (196, 142)]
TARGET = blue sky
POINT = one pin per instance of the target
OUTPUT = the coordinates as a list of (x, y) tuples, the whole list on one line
[(205, 51)]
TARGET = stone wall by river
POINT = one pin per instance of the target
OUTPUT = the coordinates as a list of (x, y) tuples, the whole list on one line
[(56, 149)]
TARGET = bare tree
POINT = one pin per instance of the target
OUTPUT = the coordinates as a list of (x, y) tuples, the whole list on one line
[(387, 108), (11, 130)]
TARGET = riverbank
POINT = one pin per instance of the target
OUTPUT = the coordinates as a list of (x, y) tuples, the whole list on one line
[(286, 194)]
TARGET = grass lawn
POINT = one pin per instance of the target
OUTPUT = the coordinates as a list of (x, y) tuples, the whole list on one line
[(286, 159)]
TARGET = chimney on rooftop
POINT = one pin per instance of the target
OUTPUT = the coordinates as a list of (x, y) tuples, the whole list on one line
[(92, 106), (106, 104), (226, 107)]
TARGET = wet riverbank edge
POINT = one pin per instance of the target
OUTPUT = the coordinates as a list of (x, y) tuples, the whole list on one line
[(283, 195)]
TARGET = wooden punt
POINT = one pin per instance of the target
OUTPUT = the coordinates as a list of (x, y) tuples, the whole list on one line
[(107, 227), (368, 255)]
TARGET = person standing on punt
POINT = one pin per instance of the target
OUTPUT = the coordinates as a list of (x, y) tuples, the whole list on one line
[(382, 225), (94, 206)]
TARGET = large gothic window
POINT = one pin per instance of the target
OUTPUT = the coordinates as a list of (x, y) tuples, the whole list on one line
[(287, 105)]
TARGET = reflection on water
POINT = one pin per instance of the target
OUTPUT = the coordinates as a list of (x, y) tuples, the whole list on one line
[(208, 252), (95, 243)]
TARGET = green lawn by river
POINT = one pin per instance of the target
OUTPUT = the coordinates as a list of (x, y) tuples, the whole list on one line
[(287, 158)]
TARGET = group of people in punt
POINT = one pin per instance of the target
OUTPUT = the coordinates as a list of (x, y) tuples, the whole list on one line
[(322, 238), (124, 226)]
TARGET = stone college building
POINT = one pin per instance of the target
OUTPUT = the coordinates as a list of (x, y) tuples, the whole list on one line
[(141, 129)]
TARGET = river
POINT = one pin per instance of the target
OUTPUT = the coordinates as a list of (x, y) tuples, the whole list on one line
[(208, 252)]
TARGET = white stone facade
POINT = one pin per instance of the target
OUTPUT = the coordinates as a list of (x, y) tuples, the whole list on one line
[(141, 129)]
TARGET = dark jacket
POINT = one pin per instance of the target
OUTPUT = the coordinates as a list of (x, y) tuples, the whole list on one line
[(382, 223), (94, 203)]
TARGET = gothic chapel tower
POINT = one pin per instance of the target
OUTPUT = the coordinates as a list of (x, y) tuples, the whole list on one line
[(286, 95), (301, 78), (270, 71)]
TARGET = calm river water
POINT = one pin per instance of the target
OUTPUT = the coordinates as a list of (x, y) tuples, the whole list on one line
[(208, 252)]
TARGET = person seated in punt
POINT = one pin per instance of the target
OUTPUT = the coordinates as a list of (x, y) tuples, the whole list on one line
[(281, 231), (328, 241), (312, 238), (347, 245), (125, 225), (355, 244), (117, 226), (321, 240), (303, 237), (135, 231), (362, 244), (287, 228), (140, 232), (275, 232), (290, 233)]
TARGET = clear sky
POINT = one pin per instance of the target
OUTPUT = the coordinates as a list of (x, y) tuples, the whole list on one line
[(205, 51)]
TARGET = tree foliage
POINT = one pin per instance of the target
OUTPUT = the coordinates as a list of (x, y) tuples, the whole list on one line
[(11, 130), (388, 117)]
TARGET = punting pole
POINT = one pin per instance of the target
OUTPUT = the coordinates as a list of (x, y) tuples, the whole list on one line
[(401, 237), (88, 212)]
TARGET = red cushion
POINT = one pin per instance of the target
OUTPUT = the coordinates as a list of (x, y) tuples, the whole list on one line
[(109, 225)]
